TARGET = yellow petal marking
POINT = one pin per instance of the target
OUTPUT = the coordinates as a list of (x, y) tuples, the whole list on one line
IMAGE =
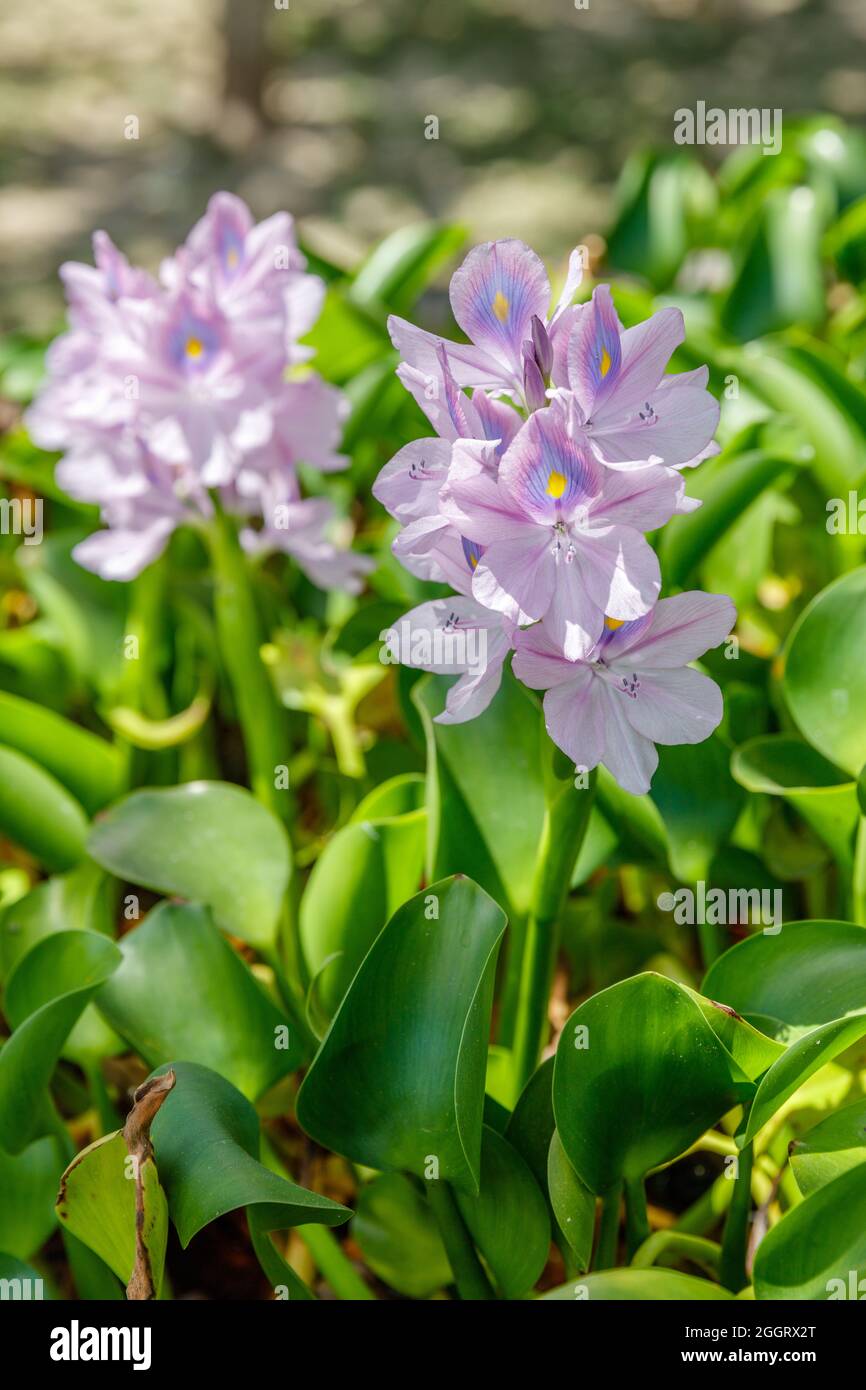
[(604, 364), (194, 347), (556, 484), (613, 623), (500, 306)]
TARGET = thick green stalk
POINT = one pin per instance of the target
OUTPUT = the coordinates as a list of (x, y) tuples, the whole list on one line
[(240, 640), (637, 1228), (732, 1269), (565, 822), (671, 1246), (333, 1264), (472, 1283), (608, 1231)]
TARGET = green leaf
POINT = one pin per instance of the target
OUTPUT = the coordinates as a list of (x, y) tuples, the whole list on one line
[(573, 1204), (781, 765), (801, 1060), (45, 996), (531, 1124), (97, 1204), (807, 974), (401, 266), (38, 813), (825, 675), (362, 876), (780, 280), (31, 1284), (638, 1285), (399, 1079), (76, 901), (726, 493), (639, 1076), (399, 1237), (207, 841), (485, 792), (509, 1200), (89, 767), (206, 1144), (830, 1148), (696, 827), (181, 991), (28, 1182), (818, 1249)]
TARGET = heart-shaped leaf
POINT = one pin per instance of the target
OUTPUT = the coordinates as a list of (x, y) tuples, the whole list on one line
[(399, 1237), (696, 829), (181, 991), (801, 1060), (362, 876), (89, 767), (825, 676), (639, 1076), (38, 813), (781, 765), (485, 792), (28, 1182), (638, 1285), (818, 1250), (830, 1148), (510, 1199), (45, 996), (398, 1083), (806, 974), (207, 841), (573, 1204), (206, 1144)]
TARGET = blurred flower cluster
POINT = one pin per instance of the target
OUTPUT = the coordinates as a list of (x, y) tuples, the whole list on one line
[(169, 397), (533, 502)]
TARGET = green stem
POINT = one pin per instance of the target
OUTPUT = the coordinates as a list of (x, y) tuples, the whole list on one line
[(671, 1246), (608, 1231), (732, 1269), (240, 641), (705, 1214), (637, 1228), (333, 1264), (472, 1283), (565, 820)]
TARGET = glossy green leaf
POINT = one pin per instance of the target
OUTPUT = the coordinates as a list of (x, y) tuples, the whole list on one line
[(206, 1144), (181, 991), (509, 1199), (696, 829), (362, 876), (89, 767), (818, 1250), (38, 813), (638, 1285), (781, 279), (531, 1124), (485, 792), (24, 1282), (400, 267), (399, 1237), (45, 996), (801, 1060), (97, 1204), (75, 901), (807, 974), (573, 1203), (398, 1082), (830, 1148), (28, 1182), (639, 1076), (825, 675), (207, 841), (781, 765)]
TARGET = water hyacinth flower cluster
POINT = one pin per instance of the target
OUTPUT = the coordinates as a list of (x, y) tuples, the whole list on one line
[(170, 396), (560, 442)]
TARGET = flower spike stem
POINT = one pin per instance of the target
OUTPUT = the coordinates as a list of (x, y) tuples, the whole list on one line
[(240, 642), (637, 1228), (565, 822), (732, 1267), (472, 1283)]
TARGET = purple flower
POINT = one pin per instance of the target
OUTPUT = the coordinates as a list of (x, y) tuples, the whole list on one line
[(562, 534), (634, 689), (160, 394), (497, 296), (454, 637), (629, 409)]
